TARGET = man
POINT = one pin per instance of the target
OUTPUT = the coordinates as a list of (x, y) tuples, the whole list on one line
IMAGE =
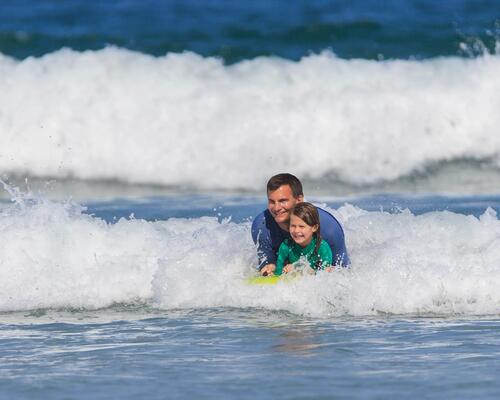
[(270, 228)]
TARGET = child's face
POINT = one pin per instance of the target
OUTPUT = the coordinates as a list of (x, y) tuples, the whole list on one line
[(301, 232)]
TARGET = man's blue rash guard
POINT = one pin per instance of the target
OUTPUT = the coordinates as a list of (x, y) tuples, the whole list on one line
[(268, 236)]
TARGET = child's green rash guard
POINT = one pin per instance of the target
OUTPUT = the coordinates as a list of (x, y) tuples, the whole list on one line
[(290, 252)]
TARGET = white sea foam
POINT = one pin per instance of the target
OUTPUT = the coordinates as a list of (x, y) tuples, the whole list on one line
[(55, 256), (186, 120)]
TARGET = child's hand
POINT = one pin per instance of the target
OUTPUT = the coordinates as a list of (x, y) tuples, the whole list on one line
[(287, 268)]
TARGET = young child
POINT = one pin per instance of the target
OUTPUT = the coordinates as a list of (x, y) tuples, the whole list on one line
[(306, 241)]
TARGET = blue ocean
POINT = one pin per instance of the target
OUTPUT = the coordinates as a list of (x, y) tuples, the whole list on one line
[(136, 140)]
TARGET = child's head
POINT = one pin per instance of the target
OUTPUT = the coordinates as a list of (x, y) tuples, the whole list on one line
[(304, 223)]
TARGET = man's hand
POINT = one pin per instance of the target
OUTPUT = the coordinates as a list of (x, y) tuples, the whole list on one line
[(268, 269)]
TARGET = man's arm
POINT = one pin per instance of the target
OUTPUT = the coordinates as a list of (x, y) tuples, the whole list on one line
[(332, 232), (262, 238)]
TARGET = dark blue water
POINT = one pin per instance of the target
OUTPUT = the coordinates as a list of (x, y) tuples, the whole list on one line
[(240, 30)]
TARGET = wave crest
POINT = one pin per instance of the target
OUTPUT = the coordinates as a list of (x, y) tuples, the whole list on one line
[(184, 120)]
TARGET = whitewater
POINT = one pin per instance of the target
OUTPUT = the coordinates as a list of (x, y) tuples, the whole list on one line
[(183, 120), (55, 255)]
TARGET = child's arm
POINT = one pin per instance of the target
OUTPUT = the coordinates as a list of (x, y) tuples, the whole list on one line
[(282, 257)]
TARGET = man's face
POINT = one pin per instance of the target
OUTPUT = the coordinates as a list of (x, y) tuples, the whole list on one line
[(280, 202)]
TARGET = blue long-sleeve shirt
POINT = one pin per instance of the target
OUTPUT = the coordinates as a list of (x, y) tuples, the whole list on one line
[(268, 236)]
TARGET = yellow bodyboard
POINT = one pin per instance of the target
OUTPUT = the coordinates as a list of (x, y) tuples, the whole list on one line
[(264, 280)]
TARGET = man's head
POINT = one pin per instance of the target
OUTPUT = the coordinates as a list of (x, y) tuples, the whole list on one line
[(284, 191)]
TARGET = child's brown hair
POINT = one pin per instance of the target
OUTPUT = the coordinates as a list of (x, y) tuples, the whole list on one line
[(309, 214)]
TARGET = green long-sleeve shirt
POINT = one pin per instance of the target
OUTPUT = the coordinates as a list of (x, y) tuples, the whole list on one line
[(290, 252)]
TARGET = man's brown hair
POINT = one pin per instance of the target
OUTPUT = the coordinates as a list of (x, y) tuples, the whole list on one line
[(285, 179)]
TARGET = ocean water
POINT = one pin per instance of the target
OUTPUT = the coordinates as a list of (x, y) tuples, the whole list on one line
[(136, 139)]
